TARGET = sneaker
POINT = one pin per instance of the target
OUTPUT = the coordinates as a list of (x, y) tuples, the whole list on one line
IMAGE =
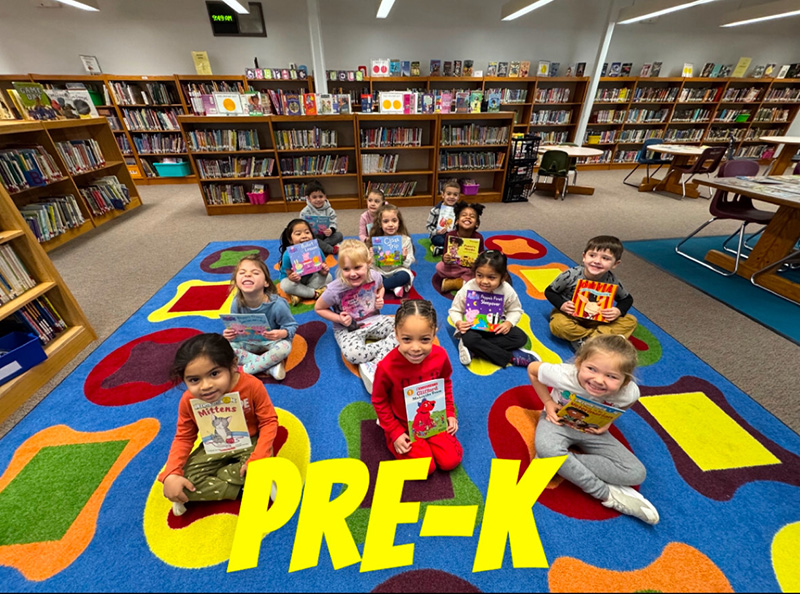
[(627, 500), (367, 373), (398, 292), (278, 372), (463, 353), (294, 300), (437, 250), (523, 357), (335, 249), (318, 293), (178, 509)]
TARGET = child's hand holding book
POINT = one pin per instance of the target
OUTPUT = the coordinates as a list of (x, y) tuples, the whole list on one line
[(463, 326), (503, 328), (610, 314), (229, 334), (568, 307), (551, 408)]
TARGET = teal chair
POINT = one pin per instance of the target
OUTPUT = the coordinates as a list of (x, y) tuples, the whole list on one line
[(555, 164)]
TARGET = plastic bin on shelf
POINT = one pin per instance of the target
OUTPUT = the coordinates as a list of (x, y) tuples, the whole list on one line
[(19, 351), (173, 169), (469, 188)]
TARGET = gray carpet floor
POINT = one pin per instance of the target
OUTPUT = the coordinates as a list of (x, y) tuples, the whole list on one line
[(113, 270)]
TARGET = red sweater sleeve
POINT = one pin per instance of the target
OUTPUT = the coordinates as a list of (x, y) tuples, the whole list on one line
[(382, 388)]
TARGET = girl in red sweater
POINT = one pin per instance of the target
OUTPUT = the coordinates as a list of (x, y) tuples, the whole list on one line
[(415, 360)]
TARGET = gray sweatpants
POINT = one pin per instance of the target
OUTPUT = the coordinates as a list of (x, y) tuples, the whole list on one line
[(603, 459), (305, 288), (354, 345)]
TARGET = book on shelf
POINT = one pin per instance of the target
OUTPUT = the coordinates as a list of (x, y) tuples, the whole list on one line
[(475, 100), (493, 101), (310, 103), (81, 100), (524, 68), (741, 67), (25, 168), (592, 297), (626, 69), (502, 69), (645, 71), (726, 70), (462, 102), (436, 67), (394, 67), (615, 69), (447, 68), (758, 71), (513, 69), (457, 68), (426, 410), (221, 424), (379, 67), (604, 71), (228, 103), (387, 250), (40, 318), (484, 310), (52, 216), (794, 70), (769, 70), (360, 303), (491, 69), (325, 104), (366, 103), (688, 70), (249, 329), (294, 106), (447, 102), (32, 101), (306, 257), (427, 103), (783, 71), (463, 250), (554, 66), (390, 101), (580, 68), (708, 67), (405, 68), (543, 68), (468, 67), (415, 68), (14, 277), (582, 413), (343, 102), (409, 103)]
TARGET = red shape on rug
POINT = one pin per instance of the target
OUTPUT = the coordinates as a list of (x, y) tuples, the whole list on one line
[(516, 247), (202, 298), (639, 345), (390, 297)]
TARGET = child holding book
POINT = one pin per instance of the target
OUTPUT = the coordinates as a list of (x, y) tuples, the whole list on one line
[(601, 255), (353, 302), (603, 467), (207, 365), (389, 223), (439, 223), (503, 345), (375, 199), (454, 273), (415, 360), (307, 286), (256, 294), (319, 212)]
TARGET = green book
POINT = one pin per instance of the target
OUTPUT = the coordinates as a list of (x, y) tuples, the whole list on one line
[(34, 101)]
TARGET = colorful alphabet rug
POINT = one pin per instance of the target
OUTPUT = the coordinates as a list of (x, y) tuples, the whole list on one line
[(81, 509)]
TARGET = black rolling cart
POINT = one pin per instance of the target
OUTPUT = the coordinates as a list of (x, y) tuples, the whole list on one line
[(519, 175)]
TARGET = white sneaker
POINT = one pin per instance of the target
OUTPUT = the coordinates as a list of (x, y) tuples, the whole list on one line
[(463, 353), (178, 509), (398, 292), (367, 373), (627, 500), (278, 372)]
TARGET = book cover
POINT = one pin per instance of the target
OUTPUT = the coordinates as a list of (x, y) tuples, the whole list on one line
[(645, 71), (475, 100), (715, 70), (221, 425), (626, 68), (457, 68), (379, 67), (591, 297), (394, 67), (359, 302), (249, 329), (202, 65), (250, 73), (484, 310), (82, 101), (769, 70), (447, 68), (415, 69), (427, 103), (726, 70), (343, 100), (580, 68), (390, 101), (324, 104), (741, 67), (405, 68), (468, 67), (604, 71), (502, 69), (758, 71), (262, 73), (63, 104), (387, 250), (332, 75), (524, 68), (543, 68), (493, 101), (34, 102), (319, 223), (366, 103), (463, 250), (359, 74), (310, 103), (251, 103), (513, 69), (783, 71), (447, 218), (447, 102), (436, 67), (285, 74), (554, 66), (293, 105), (582, 413), (688, 70), (794, 70), (425, 409), (228, 103), (341, 75), (615, 69), (462, 101), (491, 69), (306, 257), (707, 68), (409, 103)]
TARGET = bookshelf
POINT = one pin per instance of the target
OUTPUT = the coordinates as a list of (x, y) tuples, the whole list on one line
[(206, 83), (15, 232)]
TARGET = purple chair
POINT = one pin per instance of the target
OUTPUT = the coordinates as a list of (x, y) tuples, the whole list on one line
[(739, 208), (796, 170), (707, 162)]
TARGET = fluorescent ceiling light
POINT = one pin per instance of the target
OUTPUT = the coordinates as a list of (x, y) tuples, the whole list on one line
[(655, 8), (763, 12), (517, 8), (237, 6), (384, 9), (82, 4)]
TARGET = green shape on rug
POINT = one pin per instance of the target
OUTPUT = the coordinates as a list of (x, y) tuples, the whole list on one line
[(51, 490), (652, 353), (426, 243), (231, 258)]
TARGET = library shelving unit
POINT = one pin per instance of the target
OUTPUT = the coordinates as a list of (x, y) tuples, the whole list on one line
[(79, 333), (206, 83), (46, 134), (7, 82), (404, 143)]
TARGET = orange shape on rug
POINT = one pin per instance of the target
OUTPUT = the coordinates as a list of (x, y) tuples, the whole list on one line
[(537, 278)]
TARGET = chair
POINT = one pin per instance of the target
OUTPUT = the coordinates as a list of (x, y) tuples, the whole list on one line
[(796, 170), (555, 164), (643, 159), (573, 163), (739, 208), (707, 162)]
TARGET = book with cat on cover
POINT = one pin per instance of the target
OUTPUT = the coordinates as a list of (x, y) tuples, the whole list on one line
[(484, 310), (582, 413), (319, 223), (306, 257), (387, 250), (221, 424), (249, 330), (359, 303), (426, 409), (591, 297), (463, 250)]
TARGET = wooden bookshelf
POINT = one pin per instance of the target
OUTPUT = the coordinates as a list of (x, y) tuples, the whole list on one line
[(206, 83)]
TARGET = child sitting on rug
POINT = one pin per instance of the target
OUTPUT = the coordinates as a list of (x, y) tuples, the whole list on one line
[(256, 294), (603, 467), (375, 199), (453, 273), (602, 255), (319, 212), (353, 302), (308, 286), (437, 225), (389, 222), (207, 365), (416, 359), (503, 346)]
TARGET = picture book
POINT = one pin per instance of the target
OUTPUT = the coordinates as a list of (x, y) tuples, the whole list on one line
[(293, 105), (462, 101), (387, 250), (604, 71), (394, 67), (543, 69), (493, 100), (427, 103), (366, 103), (391, 102), (250, 73), (688, 70), (615, 69), (580, 68), (447, 68), (591, 297), (468, 67), (447, 101), (249, 329), (491, 69), (769, 70), (405, 68), (626, 68), (414, 68), (310, 103), (409, 103), (332, 75), (484, 310), (436, 67), (475, 100), (715, 71), (524, 68), (306, 257), (758, 71), (502, 69), (726, 70), (707, 68), (319, 223), (359, 74), (79, 95), (457, 70), (741, 67), (343, 101), (63, 104), (794, 70), (251, 103), (447, 218), (645, 71), (513, 69), (463, 250), (379, 67), (554, 66), (783, 71), (324, 104), (359, 303), (262, 73), (34, 102), (582, 413), (228, 103), (425, 409), (221, 424)]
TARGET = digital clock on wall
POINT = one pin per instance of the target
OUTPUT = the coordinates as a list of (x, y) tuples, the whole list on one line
[(226, 22)]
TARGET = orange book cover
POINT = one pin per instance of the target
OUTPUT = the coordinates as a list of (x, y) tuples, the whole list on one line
[(591, 297), (310, 103)]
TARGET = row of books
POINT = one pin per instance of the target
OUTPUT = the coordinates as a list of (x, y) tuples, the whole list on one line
[(742, 94), (235, 167), (52, 216), (700, 95), (294, 192), (729, 115), (655, 94), (217, 194), (379, 163), (124, 144), (771, 115), (14, 277), (621, 94), (106, 194), (223, 140), (153, 93), (454, 161), (725, 134), (600, 137), (510, 95), (787, 94), (553, 137), (607, 116), (151, 119), (554, 95), (639, 134), (753, 152), (392, 189), (159, 143), (639, 116), (24, 168), (684, 134), (473, 134), (756, 133), (551, 116), (32, 102), (691, 115), (387, 137), (305, 139), (625, 156), (314, 165), (40, 317), (605, 157), (81, 156), (195, 89)]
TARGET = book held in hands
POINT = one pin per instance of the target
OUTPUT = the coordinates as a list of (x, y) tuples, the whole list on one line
[(463, 250), (306, 257), (582, 413), (425, 409), (360, 303), (387, 250), (249, 329), (592, 297), (221, 424), (484, 310), (319, 223), (447, 218)]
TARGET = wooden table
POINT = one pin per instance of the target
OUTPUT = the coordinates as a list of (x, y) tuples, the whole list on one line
[(557, 185), (776, 242), (683, 154), (791, 144)]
